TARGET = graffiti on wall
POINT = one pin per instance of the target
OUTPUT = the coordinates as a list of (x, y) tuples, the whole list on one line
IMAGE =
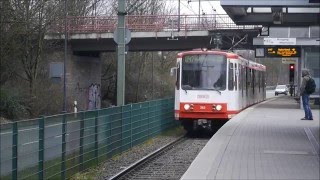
[(94, 99)]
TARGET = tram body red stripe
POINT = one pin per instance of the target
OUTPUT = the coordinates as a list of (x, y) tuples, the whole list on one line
[(204, 115)]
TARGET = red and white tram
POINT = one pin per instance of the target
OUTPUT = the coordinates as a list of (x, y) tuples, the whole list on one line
[(215, 85)]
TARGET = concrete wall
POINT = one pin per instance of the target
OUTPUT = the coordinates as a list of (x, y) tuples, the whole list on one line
[(84, 82), (83, 79)]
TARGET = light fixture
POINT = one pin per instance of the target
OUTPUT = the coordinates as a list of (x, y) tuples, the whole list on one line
[(186, 107), (218, 107), (204, 49), (277, 17)]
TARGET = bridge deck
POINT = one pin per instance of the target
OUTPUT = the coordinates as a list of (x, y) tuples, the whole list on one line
[(266, 141)]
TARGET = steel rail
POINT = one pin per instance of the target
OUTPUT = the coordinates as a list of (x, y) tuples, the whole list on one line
[(147, 158)]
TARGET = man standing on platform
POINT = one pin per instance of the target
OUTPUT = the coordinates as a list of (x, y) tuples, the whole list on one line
[(305, 95)]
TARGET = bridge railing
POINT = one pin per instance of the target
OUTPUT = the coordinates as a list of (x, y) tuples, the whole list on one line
[(148, 23), (56, 147)]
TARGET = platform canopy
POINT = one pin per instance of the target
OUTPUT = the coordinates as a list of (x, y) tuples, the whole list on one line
[(273, 12)]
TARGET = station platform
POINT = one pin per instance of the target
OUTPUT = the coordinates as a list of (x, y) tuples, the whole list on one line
[(265, 141)]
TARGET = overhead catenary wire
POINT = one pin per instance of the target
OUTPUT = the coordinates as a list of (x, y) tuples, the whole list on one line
[(213, 9), (189, 7)]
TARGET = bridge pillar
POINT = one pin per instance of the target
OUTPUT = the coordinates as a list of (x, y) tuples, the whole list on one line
[(84, 85), (83, 79)]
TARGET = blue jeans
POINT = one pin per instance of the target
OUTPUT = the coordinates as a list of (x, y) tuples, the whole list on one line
[(306, 106)]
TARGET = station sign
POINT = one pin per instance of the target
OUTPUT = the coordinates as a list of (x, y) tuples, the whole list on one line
[(289, 51), (259, 52), (279, 41), (289, 60)]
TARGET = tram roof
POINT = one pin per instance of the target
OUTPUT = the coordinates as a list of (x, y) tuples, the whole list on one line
[(202, 51)]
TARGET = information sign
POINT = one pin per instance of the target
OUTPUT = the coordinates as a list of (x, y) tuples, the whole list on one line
[(283, 51), (279, 41), (127, 37), (289, 60)]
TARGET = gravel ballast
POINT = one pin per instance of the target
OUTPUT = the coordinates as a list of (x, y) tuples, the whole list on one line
[(120, 162)]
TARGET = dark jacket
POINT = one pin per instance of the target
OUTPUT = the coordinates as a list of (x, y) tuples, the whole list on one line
[(305, 77)]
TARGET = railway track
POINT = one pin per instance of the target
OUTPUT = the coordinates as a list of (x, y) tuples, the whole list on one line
[(169, 162)]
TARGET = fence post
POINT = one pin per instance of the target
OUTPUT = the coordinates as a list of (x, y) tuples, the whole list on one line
[(63, 147), (83, 116), (0, 149), (96, 136), (121, 121), (130, 125), (148, 119), (41, 147), (15, 150)]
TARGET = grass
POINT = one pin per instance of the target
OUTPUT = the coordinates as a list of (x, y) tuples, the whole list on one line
[(52, 168), (178, 131), (88, 175)]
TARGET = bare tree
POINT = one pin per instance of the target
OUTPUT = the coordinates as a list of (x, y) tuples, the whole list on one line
[(141, 67), (23, 49), (6, 46), (24, 24), (26, 30)]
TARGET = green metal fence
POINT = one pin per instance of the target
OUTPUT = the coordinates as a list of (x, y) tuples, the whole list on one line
[(56, 147)]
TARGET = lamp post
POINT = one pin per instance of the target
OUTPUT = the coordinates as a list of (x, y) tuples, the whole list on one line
[(65, 58), (199, 12), (179, 16), (121, 53)]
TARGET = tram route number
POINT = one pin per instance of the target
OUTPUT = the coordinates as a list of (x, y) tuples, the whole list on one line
[(190, 59), (203, 96)]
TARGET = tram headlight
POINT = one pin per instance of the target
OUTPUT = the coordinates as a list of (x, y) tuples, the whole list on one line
[(186, 106), (218, 107)]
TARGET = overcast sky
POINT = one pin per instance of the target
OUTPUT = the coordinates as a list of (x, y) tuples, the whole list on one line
[(193, 6)]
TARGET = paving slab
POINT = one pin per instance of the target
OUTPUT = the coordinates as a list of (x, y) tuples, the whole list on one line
[(265, 141)]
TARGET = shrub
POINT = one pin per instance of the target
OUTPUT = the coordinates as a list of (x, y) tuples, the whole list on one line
[(10, 107)]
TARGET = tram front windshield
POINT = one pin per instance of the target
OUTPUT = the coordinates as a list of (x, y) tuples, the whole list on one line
[(204, 72)]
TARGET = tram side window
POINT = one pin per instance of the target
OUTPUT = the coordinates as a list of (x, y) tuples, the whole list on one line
[(178, 77), (247, 80), (252, 80), (240, 78), (230, 83), (236, 75), (256, 78), (259, 78), (263, 81)]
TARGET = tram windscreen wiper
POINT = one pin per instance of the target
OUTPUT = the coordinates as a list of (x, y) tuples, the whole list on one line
[(186, 87), (216, 90)]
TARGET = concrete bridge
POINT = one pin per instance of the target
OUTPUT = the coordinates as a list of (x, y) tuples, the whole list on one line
[(156, 32)]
